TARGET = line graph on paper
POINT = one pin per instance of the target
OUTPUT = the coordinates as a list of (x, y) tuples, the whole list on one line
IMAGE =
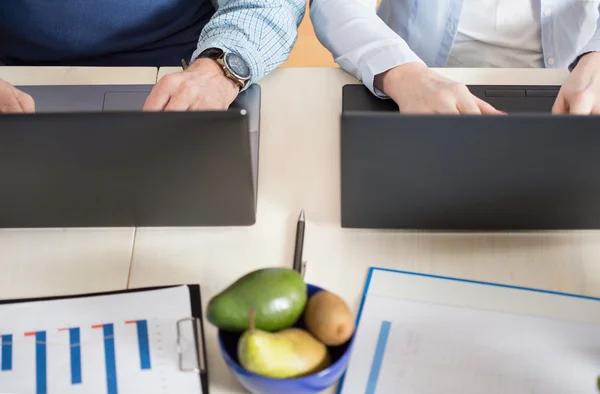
[(47, 351)]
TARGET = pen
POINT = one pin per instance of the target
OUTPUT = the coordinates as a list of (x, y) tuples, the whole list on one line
[(299, 243), (184, 64)]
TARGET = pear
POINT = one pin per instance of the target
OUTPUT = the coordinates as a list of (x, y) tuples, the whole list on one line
[(289, 353)]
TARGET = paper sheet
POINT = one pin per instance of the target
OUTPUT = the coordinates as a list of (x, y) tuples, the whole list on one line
[(412, 346), (116, 344)]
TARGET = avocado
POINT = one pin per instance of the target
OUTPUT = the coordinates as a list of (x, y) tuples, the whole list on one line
[(278, 295)]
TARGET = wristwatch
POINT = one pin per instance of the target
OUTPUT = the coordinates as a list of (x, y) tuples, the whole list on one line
[(234, 67)]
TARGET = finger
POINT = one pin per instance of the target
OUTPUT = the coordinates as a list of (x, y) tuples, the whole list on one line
[(11, 106), (181, 101), (206, 103), (157, 100), (582, 104), (560, 105), (26, 102), (206, 106), (466, 105), (486, 108), (443, 110), (160, 94), (447, 104)]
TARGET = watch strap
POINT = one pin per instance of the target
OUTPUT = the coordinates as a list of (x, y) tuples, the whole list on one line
[(212, 53)]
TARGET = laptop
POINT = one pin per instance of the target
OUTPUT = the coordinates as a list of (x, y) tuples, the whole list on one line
[(525, 171), (90, 157), (509, 98)]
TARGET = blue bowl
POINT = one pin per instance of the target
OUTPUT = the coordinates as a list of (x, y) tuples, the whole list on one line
[(309, 384)]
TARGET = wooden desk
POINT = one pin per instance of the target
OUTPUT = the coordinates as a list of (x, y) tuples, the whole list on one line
[(44, 262), (299, 168), (78, 75)]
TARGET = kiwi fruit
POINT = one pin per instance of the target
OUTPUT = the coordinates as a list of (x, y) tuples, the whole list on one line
[(328, 318)]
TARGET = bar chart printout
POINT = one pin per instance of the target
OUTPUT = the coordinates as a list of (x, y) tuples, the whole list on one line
[(423, 334), (92, 345), (74, 351)]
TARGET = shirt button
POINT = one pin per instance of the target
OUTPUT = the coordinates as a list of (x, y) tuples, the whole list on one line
[(551, 61), (548, 12)]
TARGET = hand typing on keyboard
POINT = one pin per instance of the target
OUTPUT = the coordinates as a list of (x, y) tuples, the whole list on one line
[(580, 94), (417, 89), (202, 86)]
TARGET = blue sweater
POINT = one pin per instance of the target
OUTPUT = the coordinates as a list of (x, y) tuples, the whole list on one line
[(101, 32)]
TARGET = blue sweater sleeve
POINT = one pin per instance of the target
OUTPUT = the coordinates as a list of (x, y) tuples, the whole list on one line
[(262, 32)]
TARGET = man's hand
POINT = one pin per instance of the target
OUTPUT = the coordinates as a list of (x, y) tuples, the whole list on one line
[(580, 94), (14, 100), (417, 89), (202, 86)]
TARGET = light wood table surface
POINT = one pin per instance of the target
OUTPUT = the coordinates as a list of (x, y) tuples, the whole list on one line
[(78, 75), (48, 262), (300, 168)]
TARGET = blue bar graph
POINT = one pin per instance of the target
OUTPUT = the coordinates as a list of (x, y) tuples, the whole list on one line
[(6, 353), (75, 345), (40, 362), (109, 356), (75, 352), (384, 332), (108, 331), (41, 378), (144, 344)]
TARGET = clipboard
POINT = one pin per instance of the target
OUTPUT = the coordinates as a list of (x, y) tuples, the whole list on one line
[(189, 329), (470, 334)]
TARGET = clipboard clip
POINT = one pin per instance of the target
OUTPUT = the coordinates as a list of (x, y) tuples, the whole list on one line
[(197, 365)]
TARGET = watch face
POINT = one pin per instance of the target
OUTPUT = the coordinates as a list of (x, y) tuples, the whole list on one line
[(237, 65)]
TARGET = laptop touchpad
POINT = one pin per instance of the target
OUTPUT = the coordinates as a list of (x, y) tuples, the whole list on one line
[(124, 101)]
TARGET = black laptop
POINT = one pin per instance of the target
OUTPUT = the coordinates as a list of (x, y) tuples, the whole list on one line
[(90, 158), (529, 170)]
